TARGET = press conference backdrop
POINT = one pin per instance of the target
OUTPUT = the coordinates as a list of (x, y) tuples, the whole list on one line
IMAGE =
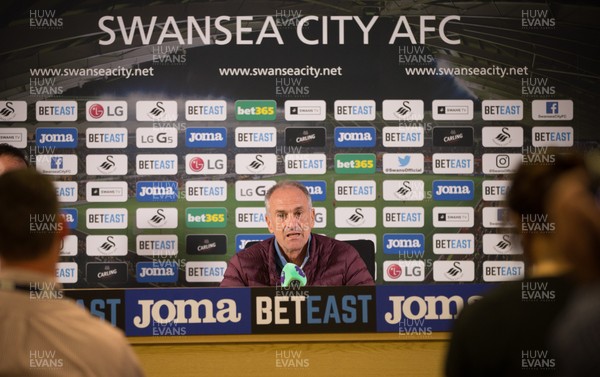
[(165, 123)]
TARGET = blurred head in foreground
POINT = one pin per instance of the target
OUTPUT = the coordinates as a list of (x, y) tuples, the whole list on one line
[(11, 158)]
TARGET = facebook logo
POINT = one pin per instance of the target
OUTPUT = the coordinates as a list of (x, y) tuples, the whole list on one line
[(551, 107), (56, 163)]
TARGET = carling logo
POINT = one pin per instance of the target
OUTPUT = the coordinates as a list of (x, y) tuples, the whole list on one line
[(305, 137), (206, 137), (106, 164), (205, 110), (106, 273), (404, 244), (206, 244), (355, 137), (452, 136), (157, 272), (156, 218), (256, 163), (453, 190), (404, 110), (156, 191), (106, 111), (106, 245), (151, 111), (13, 111)]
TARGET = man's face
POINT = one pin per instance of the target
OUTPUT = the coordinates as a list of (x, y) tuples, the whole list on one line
[(8, 163), (290, 219)]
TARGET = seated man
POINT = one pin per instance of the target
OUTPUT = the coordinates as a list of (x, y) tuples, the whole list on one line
[(290, 217), (44, 333)]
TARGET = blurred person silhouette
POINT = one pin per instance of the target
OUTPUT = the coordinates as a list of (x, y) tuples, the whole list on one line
[(576, 338), (43, 332), (508, 331), (11, 158)]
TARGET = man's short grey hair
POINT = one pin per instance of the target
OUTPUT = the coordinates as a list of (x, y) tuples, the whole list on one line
[(287, 183)]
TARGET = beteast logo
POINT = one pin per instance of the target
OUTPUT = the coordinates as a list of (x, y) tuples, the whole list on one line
[(453, 163), (206, 137), (404, 244), (404, 271), (163, 245), (150, 111), (205, 164), (495, 190), (106, 111), (206, 191), (157, 272), (497, 137), (255, 137), (452, 136), (252, 191), (152, 218), (305, 137), (17, 137), (452, 110), (305, 110), (255, 163), (500, 163), (106, 191), (208, 272), (106, 218), (355, 217), (354, 137), (56, 111), (403, 136), (250, 217), (494, 271), (156, 164), (316, 189), (453, 190), (453, 243), (156, 191), (354, 110), (13, 111), (56, 164), (406, 190), (149, 137), (355, 190), (552, 110), (502, 110), (111, 245), (308, 163), (552, 136), (106, 164), (66, 272), (205, 110), (66, 191), (106, 273), (403, 217), (446, 271), (403, 110), (255, 110), (111, 138), (242, 240), (206, 244), (453, 217), (403, 163)]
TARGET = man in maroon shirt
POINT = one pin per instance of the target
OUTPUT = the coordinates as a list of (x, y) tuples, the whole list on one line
[(290, 217)]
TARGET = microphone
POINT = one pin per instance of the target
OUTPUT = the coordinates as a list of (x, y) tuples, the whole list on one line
[(292, 273)]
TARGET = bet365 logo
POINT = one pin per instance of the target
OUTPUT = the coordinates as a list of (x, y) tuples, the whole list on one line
[(215, 217), (255, 110)]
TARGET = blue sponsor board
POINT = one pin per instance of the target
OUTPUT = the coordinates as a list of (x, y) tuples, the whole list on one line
[(206, 137), (70, 216), (156, 191), (354, 137), (316, 189), (242, 240), (453, 190), (403, 244), (157, 272), (186, 311), (422, 309), (56, 137)]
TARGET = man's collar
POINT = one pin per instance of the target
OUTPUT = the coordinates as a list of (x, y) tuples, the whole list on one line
[(282, 259)]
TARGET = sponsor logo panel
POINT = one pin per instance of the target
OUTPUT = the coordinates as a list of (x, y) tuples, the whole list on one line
[(152, 111), (252, 191), (205, 164), (502, 110), (205, 272), (552, 136), (305, 110), (453, 243), (496, 217), (106, 218), (452, 110), (213, 217), (320, 217), (205, 110), (256, 163), (148, 137), (242, 240), (66, 191), (156, 218), (403, 110), (453, 217), (156, 164), (56, 137), (452, 136), (403, 163), (13, 111), (56, 164), (453, 271), (106, 111), (206, 244), (500, 163), (255, 110), (495, 190), (552, 110), (17, 137), (106, 164), (56, 111), (111, 191), (354, 163), (503, 271), (355, 190), (501, 244), (403, 217), (206, 137), (255, 137), (106, 245), (109, 138), (453, 163), (66, 272), (314, 163), (502, 137), (355, 217), (403, 136), (354, 110), (404, 243), (156, 245), (305, 137), (354, 137), (394, 271), (206, 191), (316, 189), (250, 217), (407, 190), (68, 246), (453, 190), (106, 273), (157, 272), (156, 191)]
